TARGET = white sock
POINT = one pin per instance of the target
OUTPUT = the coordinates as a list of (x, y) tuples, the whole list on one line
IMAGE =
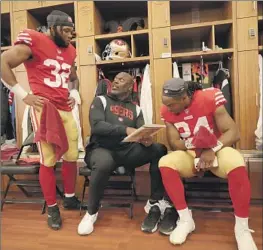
[(52, 205), (69, 195), (241, 222), (185, 214)]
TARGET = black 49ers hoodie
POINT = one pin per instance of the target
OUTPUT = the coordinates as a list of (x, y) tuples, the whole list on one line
[(109, 118)]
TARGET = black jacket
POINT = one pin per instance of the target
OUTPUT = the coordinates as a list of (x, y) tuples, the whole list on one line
[(109, 119)]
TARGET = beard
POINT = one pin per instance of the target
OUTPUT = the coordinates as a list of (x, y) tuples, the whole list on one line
[(59, 40)]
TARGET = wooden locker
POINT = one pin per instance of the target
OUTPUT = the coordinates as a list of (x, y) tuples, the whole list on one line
[(20, 23), (255, 176), (246, 9), (161, 42), (54, 3), (246, 41), (26, 5), (160, 14), (5, 6), (86, 50), (88, 84), (22, 19), (162, 72), (248, 92), (85, 18)]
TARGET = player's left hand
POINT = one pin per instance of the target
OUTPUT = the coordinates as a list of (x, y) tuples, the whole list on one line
[(146, 141), (71, 102), (207, 158)]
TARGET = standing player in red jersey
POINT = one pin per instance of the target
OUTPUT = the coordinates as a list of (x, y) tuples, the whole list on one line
[(49, 61), (187, 108)]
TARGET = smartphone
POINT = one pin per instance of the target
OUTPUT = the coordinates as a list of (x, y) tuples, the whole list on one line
[(215, 163)]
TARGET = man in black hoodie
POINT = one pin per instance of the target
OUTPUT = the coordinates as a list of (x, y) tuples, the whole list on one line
[(112, 118)]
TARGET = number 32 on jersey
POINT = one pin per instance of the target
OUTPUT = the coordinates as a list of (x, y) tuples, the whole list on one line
[(202, 121), (60, 72)]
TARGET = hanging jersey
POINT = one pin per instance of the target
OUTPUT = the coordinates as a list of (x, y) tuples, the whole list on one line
[(49, 68), (10, 98), (136, 92), (103, 87), (199, 113), (221, 82)]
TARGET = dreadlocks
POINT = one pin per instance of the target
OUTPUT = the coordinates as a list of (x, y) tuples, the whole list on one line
[(192, 87)]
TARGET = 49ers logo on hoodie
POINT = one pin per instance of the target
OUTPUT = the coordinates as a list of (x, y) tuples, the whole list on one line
[(121, 111)]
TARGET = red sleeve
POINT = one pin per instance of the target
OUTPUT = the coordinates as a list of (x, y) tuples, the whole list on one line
[(27, 37), (217, 99)]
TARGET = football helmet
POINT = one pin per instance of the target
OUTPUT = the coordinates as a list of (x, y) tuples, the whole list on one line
[(116, 49)]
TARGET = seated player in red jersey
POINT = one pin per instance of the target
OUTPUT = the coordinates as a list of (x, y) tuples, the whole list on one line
[(186, 109), (49, 61)]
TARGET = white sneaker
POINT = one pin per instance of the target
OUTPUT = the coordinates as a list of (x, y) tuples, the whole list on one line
[(86, 225), (180, 233), (244, 239)]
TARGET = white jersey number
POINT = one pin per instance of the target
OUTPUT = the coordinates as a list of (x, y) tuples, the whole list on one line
[(61, 74), (202, 121)]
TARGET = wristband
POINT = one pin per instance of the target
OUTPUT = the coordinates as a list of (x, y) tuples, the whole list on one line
[(218, 146), (19, 91)]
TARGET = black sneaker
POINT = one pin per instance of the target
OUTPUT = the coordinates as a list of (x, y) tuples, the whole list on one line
[(168, 223), (54, 220), (151, 221), (71, 203)]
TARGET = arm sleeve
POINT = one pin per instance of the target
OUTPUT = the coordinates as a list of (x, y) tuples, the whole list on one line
[(26, 37), (217, 99), (98, 124)]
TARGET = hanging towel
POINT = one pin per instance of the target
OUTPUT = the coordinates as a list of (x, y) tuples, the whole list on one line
[(146, 96), (258, 131)]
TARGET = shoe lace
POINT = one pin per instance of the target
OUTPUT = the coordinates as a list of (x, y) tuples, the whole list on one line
[(151, 216), (181, 223), (55, 215), (248, 230), (244, 232), (169, 213)]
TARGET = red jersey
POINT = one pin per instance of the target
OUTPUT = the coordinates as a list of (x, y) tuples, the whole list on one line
[(199, 113), (49, 69)]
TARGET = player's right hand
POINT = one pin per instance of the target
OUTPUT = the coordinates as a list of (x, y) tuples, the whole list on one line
[(34, 101)]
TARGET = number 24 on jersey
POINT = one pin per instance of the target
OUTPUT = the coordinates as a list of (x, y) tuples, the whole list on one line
[(202, 121)]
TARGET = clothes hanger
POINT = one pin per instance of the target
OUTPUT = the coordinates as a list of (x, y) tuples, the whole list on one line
[(221, 68), (101, 74), (202, 68)]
